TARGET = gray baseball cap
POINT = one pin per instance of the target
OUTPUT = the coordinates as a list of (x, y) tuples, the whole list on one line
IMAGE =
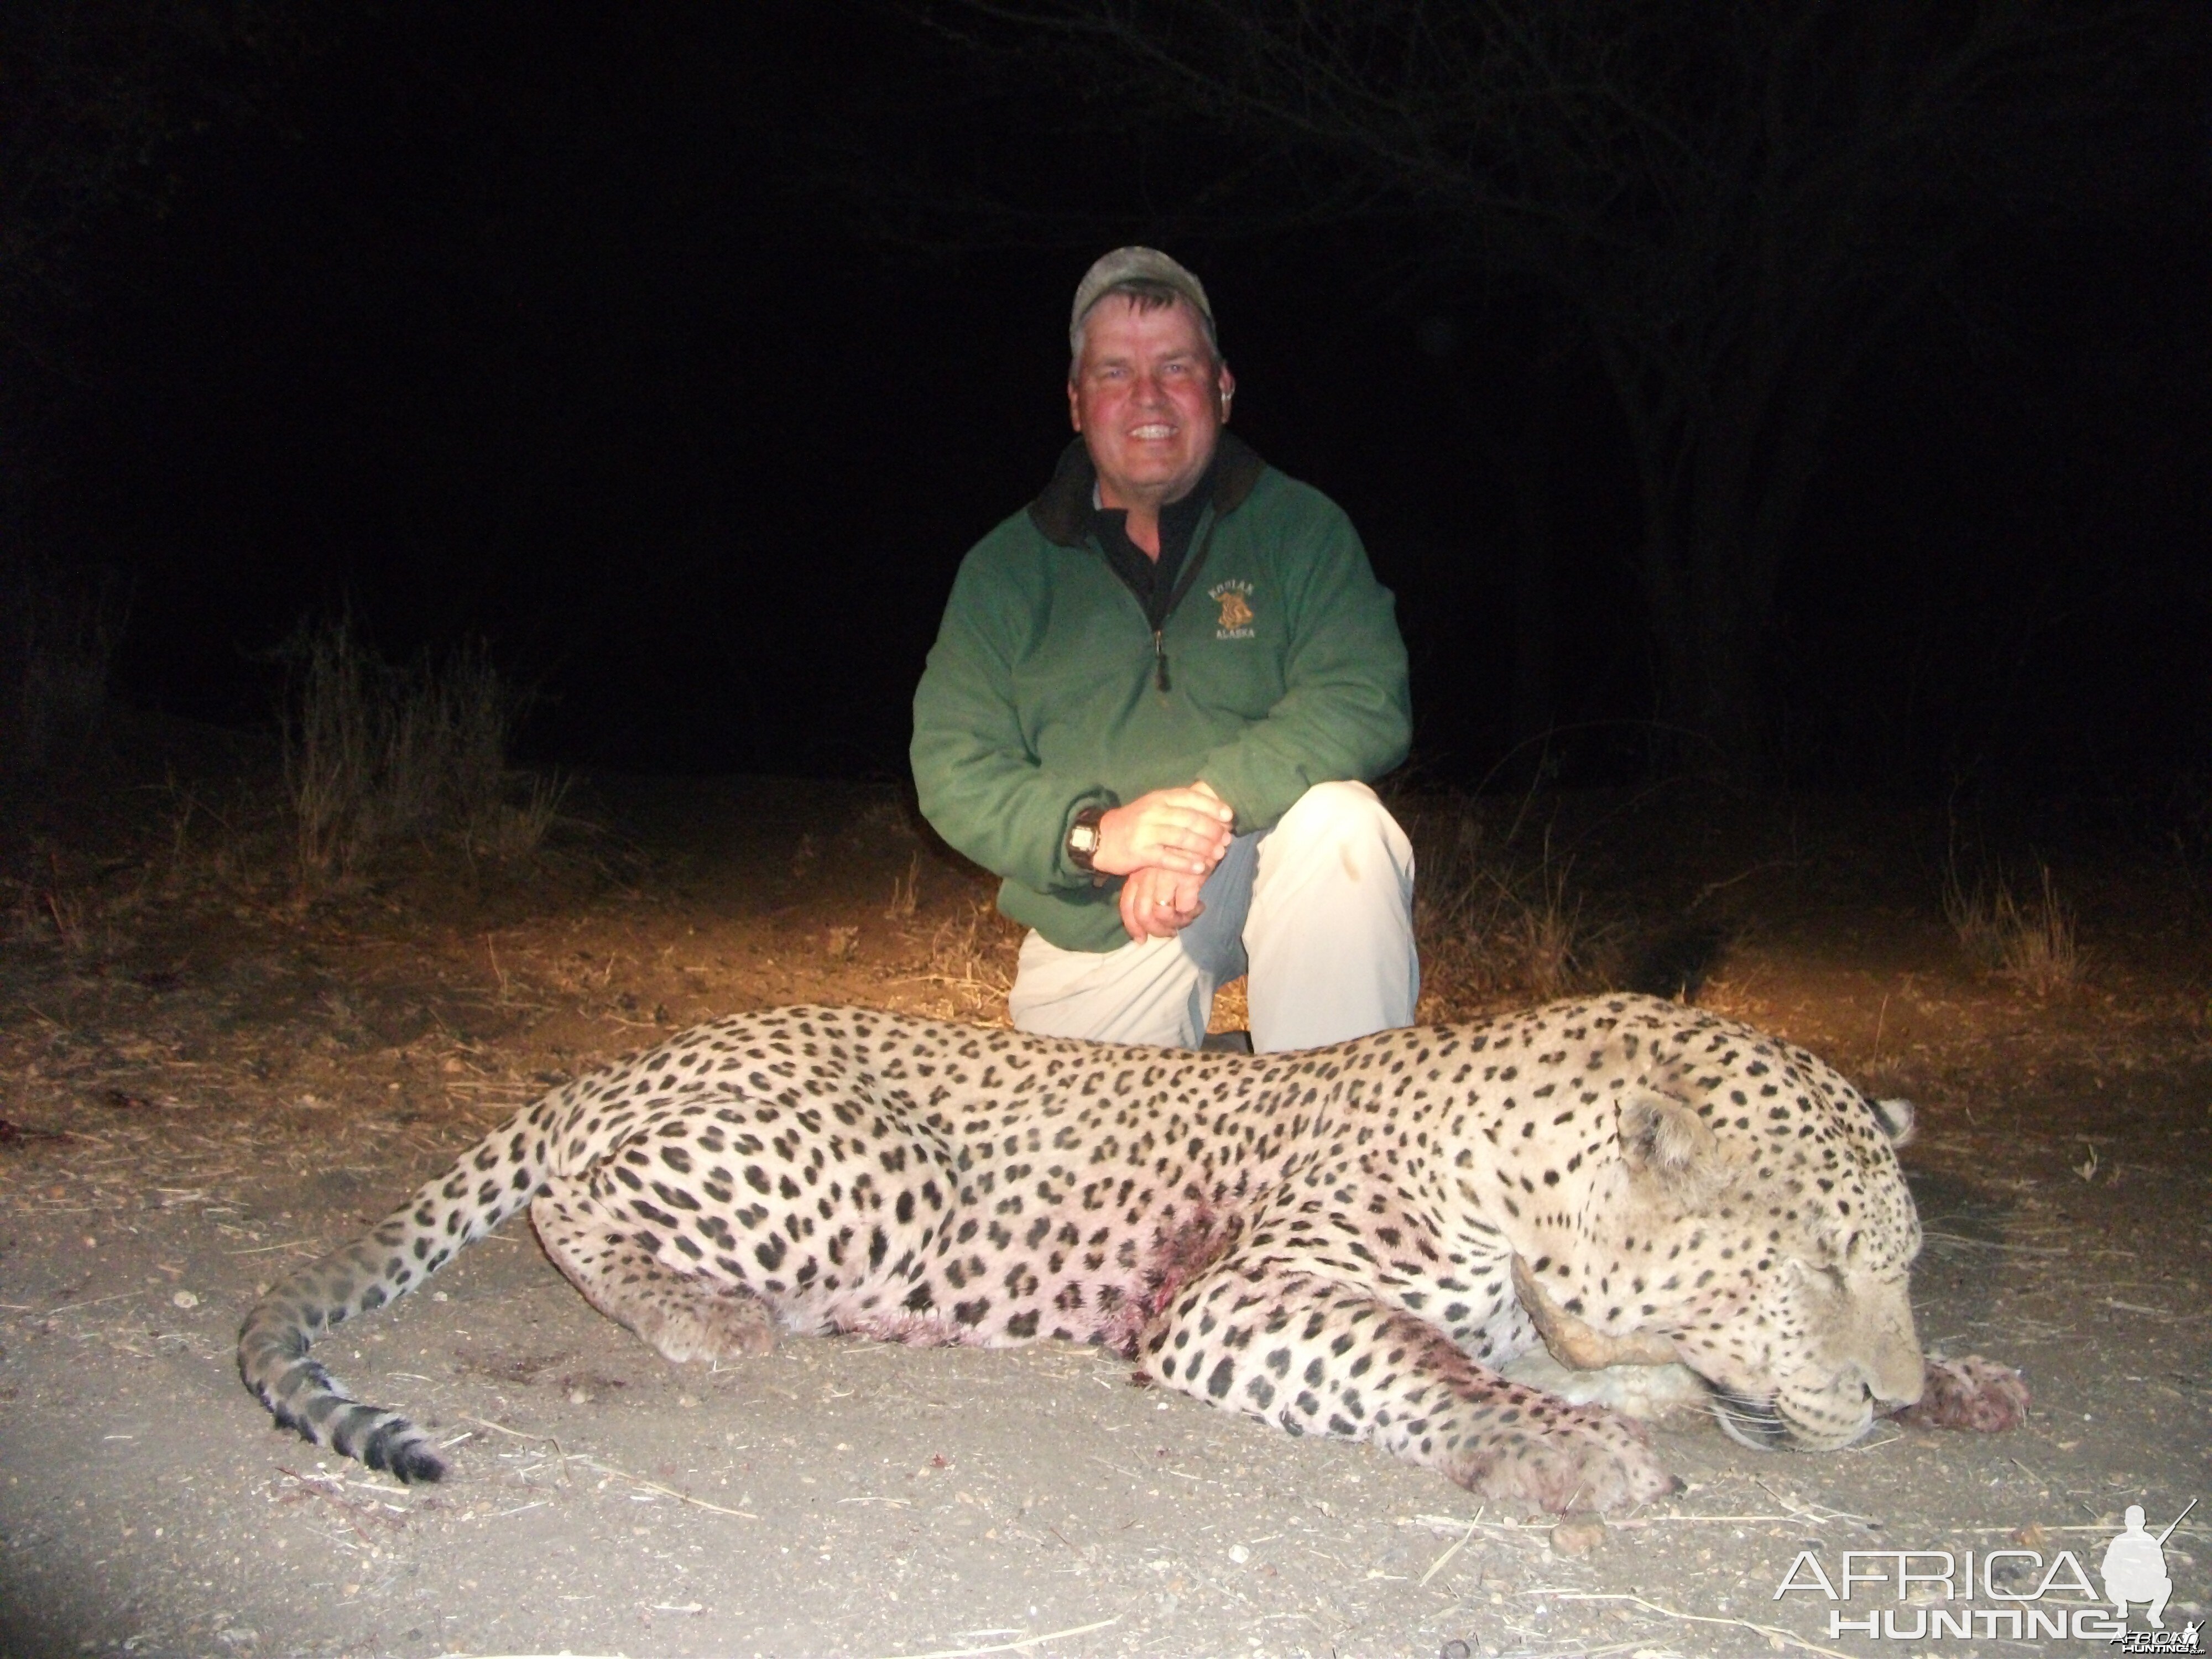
[(1135, 264)]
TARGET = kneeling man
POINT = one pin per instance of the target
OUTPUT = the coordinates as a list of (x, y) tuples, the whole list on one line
[(1154, 701)]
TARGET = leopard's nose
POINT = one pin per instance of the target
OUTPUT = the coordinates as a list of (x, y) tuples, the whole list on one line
[(1900, 1374), (1894, 1381)]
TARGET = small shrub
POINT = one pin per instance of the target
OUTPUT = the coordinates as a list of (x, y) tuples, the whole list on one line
[(333, 715), (517, 830), (1486, 922), (1970, 911), (2030, 942), (973, 956), (375, 753), (1544, 933), (906, 892), (2038, 946), (2188, 810), (46, 910), (58, 639)]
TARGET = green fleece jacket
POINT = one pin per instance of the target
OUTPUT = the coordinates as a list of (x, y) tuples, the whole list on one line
[(1279, 667)]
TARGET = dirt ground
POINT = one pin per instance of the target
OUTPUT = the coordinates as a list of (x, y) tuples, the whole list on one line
[(205, 1079)]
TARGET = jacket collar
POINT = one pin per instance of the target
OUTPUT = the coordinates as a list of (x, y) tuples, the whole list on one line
[(1063, 511)]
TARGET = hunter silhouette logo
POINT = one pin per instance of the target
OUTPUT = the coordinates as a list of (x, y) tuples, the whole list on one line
[(1236, 614), (2135, 1567)]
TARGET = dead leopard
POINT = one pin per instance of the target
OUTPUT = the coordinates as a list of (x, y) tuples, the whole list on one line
[(1327, 1241)]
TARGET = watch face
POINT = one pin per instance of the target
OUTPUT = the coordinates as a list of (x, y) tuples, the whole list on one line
[(1084, 838)]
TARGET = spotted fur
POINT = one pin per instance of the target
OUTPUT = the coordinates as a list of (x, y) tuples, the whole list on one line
[(1322, 1241)]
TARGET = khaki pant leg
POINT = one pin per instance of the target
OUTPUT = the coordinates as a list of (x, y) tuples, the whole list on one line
[(1330, 931)]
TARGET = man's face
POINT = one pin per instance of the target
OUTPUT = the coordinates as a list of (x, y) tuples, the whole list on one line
[(1149, 399)]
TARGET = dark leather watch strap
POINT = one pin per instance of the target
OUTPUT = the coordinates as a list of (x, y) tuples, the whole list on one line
[(1089, 817)]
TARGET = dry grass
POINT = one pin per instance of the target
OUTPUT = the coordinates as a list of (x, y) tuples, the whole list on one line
[(972, 956), (51, 909), (57, 640), (88, 907), (2190, 810), (514, 829), (374, 753), (1491, 918), (906, 892), (2031, 943)]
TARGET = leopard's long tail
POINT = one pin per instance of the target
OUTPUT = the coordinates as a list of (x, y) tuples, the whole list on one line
[(490, 1183)]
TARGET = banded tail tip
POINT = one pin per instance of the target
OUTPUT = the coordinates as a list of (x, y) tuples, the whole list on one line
[(402, 1451), (381, 1439)]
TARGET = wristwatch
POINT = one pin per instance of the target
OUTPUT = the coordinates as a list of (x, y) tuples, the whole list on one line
[(1082, 838)]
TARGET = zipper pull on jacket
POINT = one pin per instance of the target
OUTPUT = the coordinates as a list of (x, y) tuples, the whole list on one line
[(1160, 659)]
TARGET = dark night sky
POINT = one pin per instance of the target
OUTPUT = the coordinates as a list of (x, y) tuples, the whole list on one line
[(540, 323)]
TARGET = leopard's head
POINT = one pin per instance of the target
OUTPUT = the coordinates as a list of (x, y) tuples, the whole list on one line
[(1754, 1223)]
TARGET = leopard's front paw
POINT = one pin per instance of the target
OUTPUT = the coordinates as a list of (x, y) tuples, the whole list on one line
[(1572, 1459), (1973, 1393), (709, 1327)]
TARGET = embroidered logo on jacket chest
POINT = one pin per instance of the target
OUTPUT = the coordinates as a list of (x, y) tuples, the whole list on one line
[(1235, 599)]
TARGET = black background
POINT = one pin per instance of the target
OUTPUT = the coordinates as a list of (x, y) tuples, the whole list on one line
[(573, 328)]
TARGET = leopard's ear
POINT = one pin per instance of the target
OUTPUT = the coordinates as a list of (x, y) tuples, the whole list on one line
[(1665, 1141), (1896, 1118)]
